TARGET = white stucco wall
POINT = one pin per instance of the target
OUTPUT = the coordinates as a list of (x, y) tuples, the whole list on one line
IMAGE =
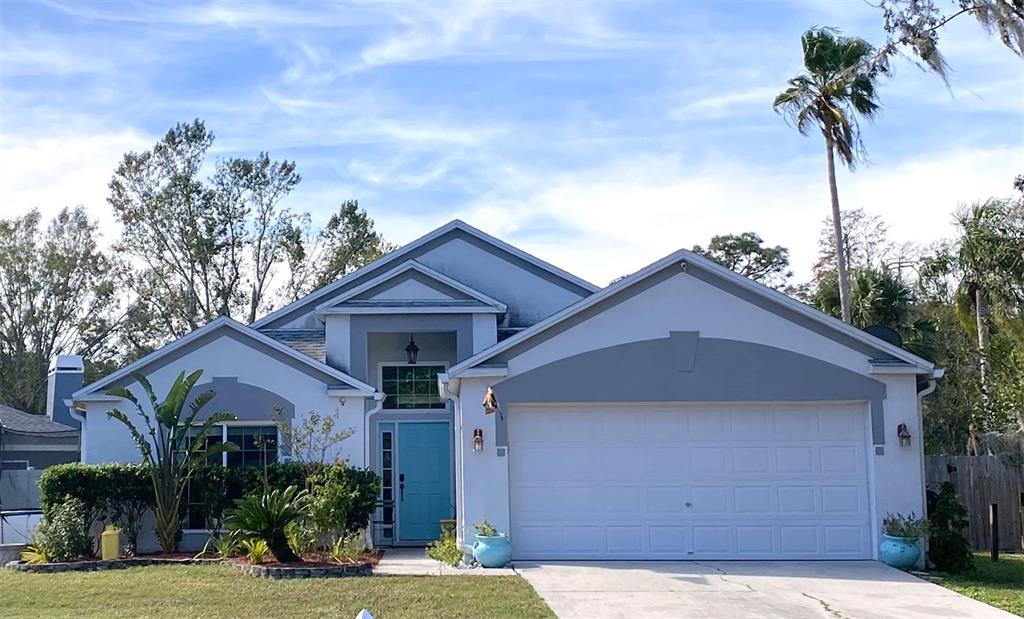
[(685, 303), (108, 440), (481, 477)]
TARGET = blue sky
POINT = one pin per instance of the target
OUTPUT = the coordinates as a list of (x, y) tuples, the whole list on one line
[(597, 136)]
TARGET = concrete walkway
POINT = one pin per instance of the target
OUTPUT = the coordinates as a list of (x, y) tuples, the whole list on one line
[(783, 590), (413, 562)]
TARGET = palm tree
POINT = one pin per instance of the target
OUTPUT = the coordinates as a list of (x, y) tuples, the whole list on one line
[(837, 86), (987, 263), (172, 448)]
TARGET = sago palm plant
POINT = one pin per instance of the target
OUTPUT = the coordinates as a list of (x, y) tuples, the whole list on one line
[(169, 448), (268, 517)]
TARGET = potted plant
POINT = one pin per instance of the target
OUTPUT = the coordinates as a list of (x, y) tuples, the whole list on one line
[(491, 549), (900, 537)]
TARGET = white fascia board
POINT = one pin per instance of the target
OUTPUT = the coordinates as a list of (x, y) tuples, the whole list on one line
[(428, 309), (412, 265), (85, 393), (408, 247), (682, 258)]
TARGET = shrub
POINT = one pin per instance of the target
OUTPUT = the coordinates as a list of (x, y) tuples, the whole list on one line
[(300, 538), (349, 548), (446, 550), (224, 546), (117, 493), (948, 550), (63, 535), (267, 516), (898, 525), (255, 550)]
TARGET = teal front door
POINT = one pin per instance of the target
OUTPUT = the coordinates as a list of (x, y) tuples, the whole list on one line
[(424, 480)]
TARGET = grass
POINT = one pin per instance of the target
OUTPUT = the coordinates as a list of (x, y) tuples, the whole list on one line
[(221, 591), (1000, 584)]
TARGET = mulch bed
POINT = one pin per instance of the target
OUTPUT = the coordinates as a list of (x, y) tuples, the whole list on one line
[(309, 567), (92, 565)]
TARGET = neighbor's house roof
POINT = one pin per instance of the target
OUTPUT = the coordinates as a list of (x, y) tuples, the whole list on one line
[(20, 422), (714, 274), (334, 378), (407, 251)]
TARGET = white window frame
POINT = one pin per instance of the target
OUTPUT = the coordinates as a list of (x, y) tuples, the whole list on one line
[(380, 384), (224, 425)]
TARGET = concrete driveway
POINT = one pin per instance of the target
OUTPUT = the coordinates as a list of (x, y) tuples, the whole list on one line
[(787, 590)]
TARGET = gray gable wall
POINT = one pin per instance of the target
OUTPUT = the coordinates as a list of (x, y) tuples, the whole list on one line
[(687, 368), (531, 293)]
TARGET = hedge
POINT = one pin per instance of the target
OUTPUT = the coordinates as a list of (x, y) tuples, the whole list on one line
[(122, 493), (119, 493)]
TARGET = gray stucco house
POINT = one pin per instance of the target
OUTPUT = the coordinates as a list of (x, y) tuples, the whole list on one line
[(682, 412)]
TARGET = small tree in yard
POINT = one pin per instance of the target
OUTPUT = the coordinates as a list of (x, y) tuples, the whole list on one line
[(166, 447)]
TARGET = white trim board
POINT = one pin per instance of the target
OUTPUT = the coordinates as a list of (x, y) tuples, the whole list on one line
[(224, 322), (412, 265)]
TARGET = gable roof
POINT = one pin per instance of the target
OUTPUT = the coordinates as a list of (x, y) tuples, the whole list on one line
[(320, 296), (713, 273), (477, 298), (224, 323)]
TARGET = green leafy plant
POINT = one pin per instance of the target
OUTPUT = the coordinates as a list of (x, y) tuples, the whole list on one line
[(168, 451), (255, 550), (63, 535), (222, 545), (948, 550), (445, 549), (349, 548), (34, 553), (267, 517), (117, 493), (898, 525), (301, 539), (485, 529)]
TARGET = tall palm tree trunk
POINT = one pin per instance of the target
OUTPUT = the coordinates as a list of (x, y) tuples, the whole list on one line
[(837, 227), (983, 314)]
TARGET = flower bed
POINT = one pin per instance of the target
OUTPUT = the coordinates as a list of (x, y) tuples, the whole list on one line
[(92, 566)]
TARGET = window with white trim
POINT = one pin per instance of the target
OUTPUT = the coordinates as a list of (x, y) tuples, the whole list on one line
[(257, 446), (411, 386)]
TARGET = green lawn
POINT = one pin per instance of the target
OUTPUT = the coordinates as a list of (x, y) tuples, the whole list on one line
[(221, 591), (1000, 584)]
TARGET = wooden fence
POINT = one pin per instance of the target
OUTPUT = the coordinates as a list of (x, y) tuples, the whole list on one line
[(981, 481)]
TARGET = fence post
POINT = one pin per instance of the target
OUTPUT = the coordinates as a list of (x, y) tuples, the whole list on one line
[(993, 518)]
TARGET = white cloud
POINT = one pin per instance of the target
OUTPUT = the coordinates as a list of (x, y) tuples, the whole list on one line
[(627, 213), (51, 172)]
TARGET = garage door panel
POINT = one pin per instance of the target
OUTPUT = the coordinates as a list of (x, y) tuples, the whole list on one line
[(719, 483)]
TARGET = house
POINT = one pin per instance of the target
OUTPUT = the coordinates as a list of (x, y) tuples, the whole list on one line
[(682, 412), (30, 441)]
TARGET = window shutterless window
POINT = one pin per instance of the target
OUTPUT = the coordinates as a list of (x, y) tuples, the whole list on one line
[(411, 386)]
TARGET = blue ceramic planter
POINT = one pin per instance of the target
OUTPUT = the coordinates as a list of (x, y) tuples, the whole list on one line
[(899, 552), (492, 550)]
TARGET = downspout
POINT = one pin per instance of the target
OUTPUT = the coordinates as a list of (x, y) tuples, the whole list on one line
[(933, 382), (449, 390), (379, 398), (79, 414)]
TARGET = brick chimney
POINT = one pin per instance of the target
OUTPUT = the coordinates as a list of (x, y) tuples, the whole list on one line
[(64, 378)]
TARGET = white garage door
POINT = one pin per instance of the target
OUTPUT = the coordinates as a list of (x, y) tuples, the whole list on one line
[(641, 482)]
